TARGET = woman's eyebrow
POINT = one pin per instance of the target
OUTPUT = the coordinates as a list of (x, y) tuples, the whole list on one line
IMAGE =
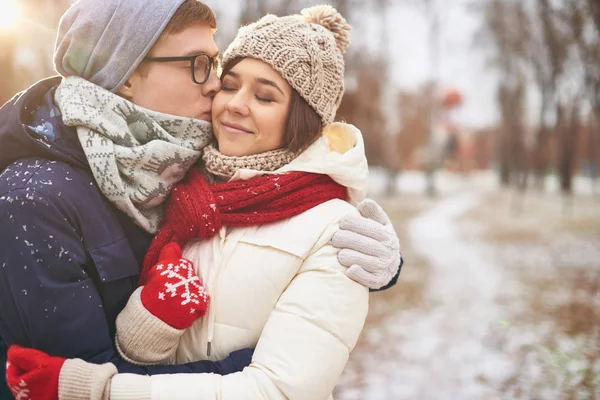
[(262, 81)]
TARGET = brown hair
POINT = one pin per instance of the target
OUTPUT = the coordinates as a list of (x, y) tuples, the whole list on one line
[(303, 126)]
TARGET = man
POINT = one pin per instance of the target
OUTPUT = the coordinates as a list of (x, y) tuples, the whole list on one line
[(77, 215)]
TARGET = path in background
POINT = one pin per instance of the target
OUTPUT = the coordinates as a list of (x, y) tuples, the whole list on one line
[(438, 349), (469, 318)]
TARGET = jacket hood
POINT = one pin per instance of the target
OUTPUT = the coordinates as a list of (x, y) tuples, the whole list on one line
[(31, 126), (339, 153)]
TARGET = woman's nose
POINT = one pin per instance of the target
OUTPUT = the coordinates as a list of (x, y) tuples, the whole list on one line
[(237, 104)]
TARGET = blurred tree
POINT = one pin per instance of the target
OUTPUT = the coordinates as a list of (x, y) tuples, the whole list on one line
[(511, 98), (391, 157), (435, 12), (504, 33), (413, 134), (432, 11), (253, 10), (548, 54), (361, 107), (568, 130), (594, 9), (585, 21), (554, 44), (537, 53)]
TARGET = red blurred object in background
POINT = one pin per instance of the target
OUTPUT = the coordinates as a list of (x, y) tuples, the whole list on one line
[(452, 98)]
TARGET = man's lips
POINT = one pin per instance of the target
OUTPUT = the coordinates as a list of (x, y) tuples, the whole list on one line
[(235, 128)]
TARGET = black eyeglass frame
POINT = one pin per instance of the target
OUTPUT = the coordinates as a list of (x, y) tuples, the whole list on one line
[(213, 64)]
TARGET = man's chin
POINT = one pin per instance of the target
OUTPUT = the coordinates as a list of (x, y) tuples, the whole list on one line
[(206, 117)]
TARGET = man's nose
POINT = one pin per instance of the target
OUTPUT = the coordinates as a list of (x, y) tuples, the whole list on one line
[(212, 86)]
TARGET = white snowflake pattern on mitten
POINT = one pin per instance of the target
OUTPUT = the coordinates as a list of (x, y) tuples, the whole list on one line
[(182, 277), (20, 391)]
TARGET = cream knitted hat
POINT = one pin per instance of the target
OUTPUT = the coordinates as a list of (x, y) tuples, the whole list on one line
[(307, 50)]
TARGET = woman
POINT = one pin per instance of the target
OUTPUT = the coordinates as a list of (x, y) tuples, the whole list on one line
[(289, 171)]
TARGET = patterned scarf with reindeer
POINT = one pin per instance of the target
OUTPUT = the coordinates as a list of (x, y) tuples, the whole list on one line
[(136, 155)]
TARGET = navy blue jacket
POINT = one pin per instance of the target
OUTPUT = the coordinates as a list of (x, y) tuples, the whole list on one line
[(69, 260)]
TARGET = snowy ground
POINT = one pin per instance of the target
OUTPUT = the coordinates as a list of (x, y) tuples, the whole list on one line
[(496, 301)]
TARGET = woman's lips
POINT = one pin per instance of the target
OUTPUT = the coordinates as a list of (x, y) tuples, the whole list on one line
[(235, 129)]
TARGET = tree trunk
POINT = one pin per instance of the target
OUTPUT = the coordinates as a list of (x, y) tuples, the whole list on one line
[(594, 146), (569, 133), (594, 6), (541, 151), (517, 158), (504, 159), (434, 58), (392, 177)]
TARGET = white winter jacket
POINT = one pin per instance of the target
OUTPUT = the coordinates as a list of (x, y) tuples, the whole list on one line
[(277, 287)]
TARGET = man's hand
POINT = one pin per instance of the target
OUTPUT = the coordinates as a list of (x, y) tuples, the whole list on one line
[(369, 246), (174, 293), (32, 374)]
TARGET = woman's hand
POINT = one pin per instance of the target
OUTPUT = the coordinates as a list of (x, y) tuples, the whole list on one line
[(369, 246), (173, 292)]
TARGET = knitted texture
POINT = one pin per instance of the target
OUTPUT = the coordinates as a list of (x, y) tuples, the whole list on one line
[(136, 155), (221, 165), (32, 374), (143, 339), (372, 233), (81, 380), (174, 293), (307, 50), (198, 209)]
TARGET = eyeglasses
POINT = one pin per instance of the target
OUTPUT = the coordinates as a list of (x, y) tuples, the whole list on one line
[(201, 65)]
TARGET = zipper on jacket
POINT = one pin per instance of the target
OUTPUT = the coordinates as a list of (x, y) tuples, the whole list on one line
[(218, 259), (223, 260)]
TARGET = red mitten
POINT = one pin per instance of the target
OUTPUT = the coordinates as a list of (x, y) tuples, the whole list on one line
[(173, 292), (32, 374)]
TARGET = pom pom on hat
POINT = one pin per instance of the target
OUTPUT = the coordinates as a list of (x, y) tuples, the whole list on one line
[(332, 20)]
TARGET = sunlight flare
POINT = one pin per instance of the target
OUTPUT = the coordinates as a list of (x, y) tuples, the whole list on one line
[(10, 14)]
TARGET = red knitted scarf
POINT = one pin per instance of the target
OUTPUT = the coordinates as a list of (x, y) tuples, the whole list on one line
[(198, 209)]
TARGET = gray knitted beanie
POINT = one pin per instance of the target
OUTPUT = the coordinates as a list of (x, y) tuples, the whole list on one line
[(103, 41), (307, 50)]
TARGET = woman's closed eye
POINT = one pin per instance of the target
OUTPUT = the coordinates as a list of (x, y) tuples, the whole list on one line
[(261, 96), (264, 98), (228, 88)]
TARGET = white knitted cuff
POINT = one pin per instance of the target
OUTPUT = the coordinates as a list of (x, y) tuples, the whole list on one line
[(142, 338), (131, 387), (80, 380)]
